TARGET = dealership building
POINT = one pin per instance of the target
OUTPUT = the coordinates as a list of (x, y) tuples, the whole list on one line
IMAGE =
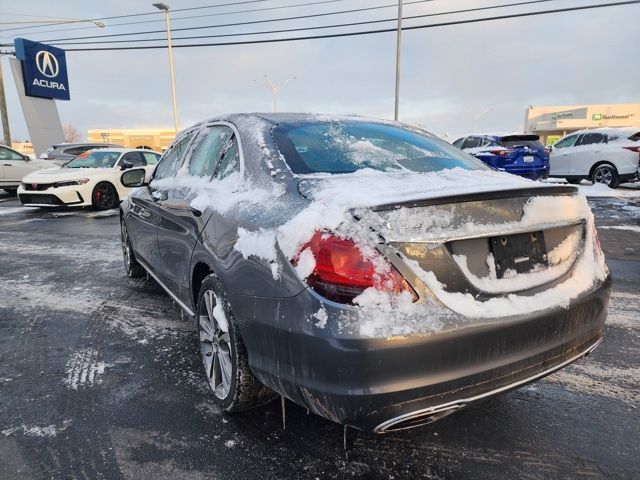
[(552, 122), (157, 139)]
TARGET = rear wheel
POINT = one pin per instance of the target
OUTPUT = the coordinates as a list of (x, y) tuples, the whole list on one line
[(104, 196), (224, 355), (131, 265), (607, 174)]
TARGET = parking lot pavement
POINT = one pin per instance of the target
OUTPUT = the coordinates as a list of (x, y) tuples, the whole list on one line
[(99, 378)]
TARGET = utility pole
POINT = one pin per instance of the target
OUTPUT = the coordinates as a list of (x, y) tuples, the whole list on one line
[(274, 88), (3, 108), (165, 8), (398, 48)]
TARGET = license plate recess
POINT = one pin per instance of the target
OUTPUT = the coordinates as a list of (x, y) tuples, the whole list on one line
[(520, 252)]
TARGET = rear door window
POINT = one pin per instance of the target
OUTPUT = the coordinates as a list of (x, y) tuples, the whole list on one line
[(208, 152), (150, 157), (591, 139), (635, 137)]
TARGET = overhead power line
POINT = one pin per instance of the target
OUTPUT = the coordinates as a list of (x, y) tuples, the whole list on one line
[(368, 32), (142, 14), (190, 17), (236, 24), (288, 30)]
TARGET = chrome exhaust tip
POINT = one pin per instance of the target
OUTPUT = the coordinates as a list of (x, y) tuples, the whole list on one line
[(416, 419)]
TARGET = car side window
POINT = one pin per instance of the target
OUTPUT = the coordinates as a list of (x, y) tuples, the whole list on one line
[(230, 161), (8, 154), (76, 150), (472, 142), (173, 157), (151, 158), (566, 142), (458, 143), (208, 152), (134, 158), (590, 139)]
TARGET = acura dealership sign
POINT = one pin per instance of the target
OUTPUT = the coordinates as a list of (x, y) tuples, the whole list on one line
[(44, 69)]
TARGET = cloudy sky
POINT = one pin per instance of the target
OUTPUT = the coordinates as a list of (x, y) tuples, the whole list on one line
[(455, 79)]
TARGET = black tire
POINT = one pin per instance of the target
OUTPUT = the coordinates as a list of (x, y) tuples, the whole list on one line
[(11, 191), (104, 196), (607, 174), (244, 390), (574, 181), (131, 265)]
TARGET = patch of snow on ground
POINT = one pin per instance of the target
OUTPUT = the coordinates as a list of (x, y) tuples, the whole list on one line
[(83, 369), (36, 431), (631, 228)]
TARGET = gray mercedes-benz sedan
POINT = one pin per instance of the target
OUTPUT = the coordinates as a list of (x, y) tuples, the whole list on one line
[(366, 270)]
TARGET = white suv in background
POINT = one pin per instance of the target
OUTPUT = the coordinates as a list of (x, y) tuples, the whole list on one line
[(603, 155)]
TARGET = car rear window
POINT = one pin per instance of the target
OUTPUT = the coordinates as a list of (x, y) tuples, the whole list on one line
[(344, 147), (521, 141)]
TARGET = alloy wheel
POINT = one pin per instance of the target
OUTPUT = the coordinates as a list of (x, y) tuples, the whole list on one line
[(215, 345), (126, 246), (603, 174), (104, 196)]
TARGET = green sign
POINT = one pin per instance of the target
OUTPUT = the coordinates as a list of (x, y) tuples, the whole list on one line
[(596, 116)]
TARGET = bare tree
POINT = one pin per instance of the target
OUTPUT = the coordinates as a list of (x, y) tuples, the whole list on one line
[(71, 133)]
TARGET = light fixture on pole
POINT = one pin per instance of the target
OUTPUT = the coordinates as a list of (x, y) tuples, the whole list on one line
[(398, 48), (274, 88), (165, 8)]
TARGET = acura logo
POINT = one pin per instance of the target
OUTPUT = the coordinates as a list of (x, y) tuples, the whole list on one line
[(47, 63)]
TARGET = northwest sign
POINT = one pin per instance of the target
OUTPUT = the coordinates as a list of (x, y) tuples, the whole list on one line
[(44, 69)]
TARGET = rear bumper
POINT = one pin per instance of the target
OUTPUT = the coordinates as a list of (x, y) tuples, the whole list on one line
[(384, 384)]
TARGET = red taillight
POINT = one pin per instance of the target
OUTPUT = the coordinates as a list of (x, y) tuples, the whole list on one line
[(341, 273), (633, 149), (500, 153)]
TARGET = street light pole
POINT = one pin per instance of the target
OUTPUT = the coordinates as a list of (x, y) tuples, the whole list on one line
[(165, 8), (398, 48), (274, 88), (3, 109)]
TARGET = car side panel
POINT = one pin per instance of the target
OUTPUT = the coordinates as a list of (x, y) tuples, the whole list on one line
[(142, 217)]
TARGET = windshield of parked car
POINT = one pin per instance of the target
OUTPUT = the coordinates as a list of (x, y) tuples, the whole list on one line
[(344, 147), (94, 159)]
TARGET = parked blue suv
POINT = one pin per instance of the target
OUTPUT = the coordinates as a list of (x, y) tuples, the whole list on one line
[(522, 155)]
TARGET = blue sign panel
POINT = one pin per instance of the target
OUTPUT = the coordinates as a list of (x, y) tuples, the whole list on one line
[(44, 69)]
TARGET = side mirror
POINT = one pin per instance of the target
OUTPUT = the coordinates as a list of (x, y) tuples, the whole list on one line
[(550, 147), (134, 178), (125, 165), (27, 158)]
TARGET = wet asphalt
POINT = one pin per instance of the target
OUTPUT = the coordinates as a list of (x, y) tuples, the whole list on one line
[(100, 378)]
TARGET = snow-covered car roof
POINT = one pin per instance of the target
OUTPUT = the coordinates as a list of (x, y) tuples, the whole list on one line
[(609, 130)]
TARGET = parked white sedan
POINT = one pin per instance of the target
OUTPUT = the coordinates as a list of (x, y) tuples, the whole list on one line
[(14, 166), (602, 155), (92, 178)]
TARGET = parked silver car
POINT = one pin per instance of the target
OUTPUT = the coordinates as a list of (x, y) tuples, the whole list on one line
[(62, 153), (366, 270)]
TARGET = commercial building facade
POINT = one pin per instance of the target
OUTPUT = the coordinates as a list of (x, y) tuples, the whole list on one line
[(552, 122), (157, 139)]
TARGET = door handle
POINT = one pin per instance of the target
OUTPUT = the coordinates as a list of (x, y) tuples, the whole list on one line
[(195, 211)]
